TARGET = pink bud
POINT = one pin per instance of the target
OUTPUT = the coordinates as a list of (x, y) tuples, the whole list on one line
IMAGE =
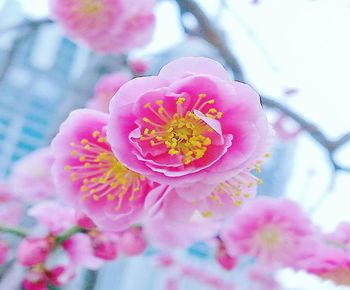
[(4, 250), (33, 251), (59, 276), (133, 242), (84, 221), (224, 259), (35, 279), (138, 66), (105, 245)]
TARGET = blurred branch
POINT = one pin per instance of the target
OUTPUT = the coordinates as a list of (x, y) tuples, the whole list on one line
[(26, 24), (214, 36), (26, 29)]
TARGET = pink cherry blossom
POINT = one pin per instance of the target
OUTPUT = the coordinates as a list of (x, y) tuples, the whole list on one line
[(80, 251), (132, 242), (11, 209), (138, 66), (54, 217), (329, 262), (165, 233), (33, 183), (191, 124), (4, 251), (108, 26), (91, 178), (274, 231), (105, 89), (33, 251)]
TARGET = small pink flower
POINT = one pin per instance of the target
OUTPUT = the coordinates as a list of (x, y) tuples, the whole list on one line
[(4, 251), (53, 216), (132, 242), (112, 26), (90, 177), (138, 66), (105, 89), (105, 245), (80, 250), (33, 183), (189, 124), (11, 209), (165, 233), (274, 231), (329, 262), (33, 251)]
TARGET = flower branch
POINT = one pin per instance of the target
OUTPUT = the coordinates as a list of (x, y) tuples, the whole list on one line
[(215, 37)]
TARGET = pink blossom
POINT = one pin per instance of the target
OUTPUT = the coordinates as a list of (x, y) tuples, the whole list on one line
[(274, 231), (53, 216), (165, 233), (105, 245), (11, 209), (33, 251), (4, 251), (33, 183), (91, 178), (329, 262), (105, 89), (191, 124), (108, 26), (138, 66), (132, 242), (80, 251)]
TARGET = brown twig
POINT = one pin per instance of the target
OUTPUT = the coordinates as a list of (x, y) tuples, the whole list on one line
[(214, 36), (26, 24)]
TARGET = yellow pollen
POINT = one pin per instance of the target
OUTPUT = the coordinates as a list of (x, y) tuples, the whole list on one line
[(182, 132), (207, 214), (95, 134), (67, 168)]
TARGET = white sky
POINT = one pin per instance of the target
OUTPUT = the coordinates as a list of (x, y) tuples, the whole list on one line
[(282, 44)]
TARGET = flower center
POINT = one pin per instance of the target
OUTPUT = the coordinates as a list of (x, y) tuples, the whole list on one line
[(270, 238), (101, 175), (183, 133), (91, 6), (339, 275)]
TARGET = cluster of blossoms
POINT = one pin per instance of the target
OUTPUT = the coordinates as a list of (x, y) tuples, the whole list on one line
[(175, 153), (170, 162)]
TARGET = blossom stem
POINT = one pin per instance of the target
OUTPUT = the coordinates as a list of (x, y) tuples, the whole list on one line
[(15, 231), (66, 235)]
